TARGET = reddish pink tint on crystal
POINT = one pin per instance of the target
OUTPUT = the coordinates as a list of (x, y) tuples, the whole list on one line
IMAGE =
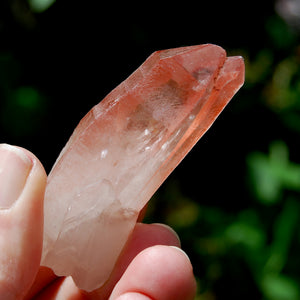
[(123, 150)]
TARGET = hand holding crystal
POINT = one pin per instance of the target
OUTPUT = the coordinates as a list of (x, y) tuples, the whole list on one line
[(150, 267)]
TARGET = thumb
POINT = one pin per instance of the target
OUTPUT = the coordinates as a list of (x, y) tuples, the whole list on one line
[(22, 186)]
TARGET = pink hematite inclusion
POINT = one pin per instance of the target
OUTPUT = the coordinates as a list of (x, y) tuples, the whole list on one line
[(123, 150)]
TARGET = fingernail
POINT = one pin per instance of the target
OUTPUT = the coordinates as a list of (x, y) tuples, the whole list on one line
[(133, 296), (170, 229), (15, 167), (180, 250)]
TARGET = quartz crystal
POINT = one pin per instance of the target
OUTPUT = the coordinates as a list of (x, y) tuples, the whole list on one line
[(123, 150)]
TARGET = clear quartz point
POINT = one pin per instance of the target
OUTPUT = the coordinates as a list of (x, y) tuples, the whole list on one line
[(123, 150)]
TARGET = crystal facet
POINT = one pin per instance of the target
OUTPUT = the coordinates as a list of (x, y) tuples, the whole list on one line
[(123, 150)]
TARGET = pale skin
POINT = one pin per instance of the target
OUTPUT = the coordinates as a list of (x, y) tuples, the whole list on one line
[(151, 267)]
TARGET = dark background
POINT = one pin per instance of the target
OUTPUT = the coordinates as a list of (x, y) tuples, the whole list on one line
[(235, 198)]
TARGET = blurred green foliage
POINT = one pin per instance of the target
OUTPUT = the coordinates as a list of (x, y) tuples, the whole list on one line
[(235, 199), (40, 5), (26, 106), (271, 174), (253, 253)]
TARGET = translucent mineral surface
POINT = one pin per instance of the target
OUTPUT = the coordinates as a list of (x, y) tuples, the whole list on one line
[(123, 150)]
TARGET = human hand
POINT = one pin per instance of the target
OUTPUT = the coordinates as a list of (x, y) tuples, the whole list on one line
[(150, 267)]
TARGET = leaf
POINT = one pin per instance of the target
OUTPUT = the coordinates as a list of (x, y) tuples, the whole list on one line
[(284, 229), (264, 183), (279, 287)]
